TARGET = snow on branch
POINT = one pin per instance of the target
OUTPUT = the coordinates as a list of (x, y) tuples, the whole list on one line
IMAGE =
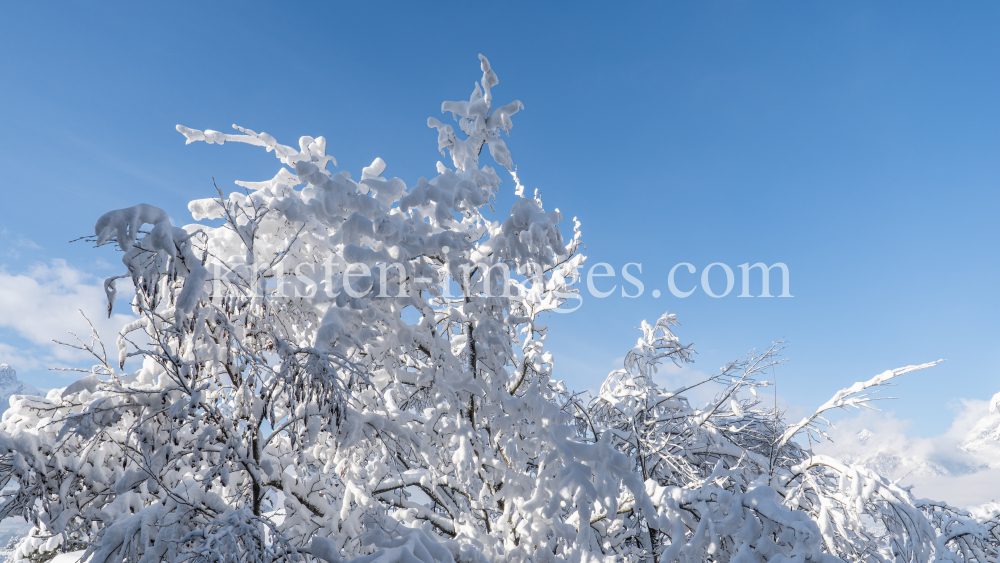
[(860, 395)]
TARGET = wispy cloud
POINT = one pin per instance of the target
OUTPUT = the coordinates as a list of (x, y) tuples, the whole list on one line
[(121, 165), (19, 244), (26, 243)]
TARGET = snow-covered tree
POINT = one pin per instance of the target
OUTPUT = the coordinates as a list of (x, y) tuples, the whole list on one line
[(337, 370), (716, 471)]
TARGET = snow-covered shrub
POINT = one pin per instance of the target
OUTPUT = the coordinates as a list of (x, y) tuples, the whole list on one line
[(337, 370)]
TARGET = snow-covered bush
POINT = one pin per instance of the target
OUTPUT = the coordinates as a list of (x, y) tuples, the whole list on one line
[(340, 370)]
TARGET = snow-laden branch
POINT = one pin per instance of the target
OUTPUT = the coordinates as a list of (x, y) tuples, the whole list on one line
[(859, 395)]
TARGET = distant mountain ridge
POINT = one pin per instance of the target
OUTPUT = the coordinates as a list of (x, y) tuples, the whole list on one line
[(10, 385), (984, 438), (961, 466), (896, 460)]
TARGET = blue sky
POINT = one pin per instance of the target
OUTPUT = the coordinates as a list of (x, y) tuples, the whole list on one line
[(857, 142)]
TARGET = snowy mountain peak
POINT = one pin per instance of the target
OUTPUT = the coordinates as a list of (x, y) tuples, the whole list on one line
[(7, 375), (10, 386), (864, 435), (985, 435)]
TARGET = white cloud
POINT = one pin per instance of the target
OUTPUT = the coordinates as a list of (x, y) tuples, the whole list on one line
[(25, 242), (44, 303), (24, 360), (21, 242)]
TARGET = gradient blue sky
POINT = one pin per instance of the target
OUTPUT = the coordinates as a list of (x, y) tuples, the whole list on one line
[(858, 142)]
